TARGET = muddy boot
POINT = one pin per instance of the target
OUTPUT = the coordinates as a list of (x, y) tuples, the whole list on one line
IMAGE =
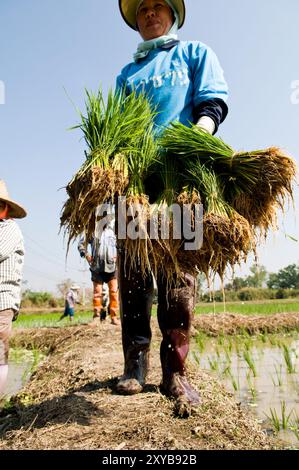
[(136, 298), (136, 368), (103, 314), (175, 312)]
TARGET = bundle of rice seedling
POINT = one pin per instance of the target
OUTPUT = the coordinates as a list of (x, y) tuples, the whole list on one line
[(121, 150), (240, 193), (227, 236), (253, 183), (272, 190)]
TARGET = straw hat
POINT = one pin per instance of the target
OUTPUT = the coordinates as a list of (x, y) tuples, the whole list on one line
[(75, 287), (16, 211), (128, 10)]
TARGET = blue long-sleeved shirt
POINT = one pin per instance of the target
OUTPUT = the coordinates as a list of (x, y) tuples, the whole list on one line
[(183, 81)]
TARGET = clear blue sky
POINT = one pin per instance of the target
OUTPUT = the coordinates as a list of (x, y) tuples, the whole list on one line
[(49, 45)]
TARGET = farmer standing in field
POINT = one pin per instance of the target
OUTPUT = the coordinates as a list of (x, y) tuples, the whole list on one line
[(185, 83), (71, 299), (102, 262), (11, 267)]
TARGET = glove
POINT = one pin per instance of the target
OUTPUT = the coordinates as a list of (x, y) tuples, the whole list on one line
[(206, 124)]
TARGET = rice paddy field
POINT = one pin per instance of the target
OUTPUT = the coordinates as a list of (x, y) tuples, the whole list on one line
[(51, 319), (269, 307), (262, 372), (245, 362)]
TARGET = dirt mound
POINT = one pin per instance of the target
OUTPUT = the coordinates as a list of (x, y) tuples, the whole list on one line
[(71, 403), (231, 324)]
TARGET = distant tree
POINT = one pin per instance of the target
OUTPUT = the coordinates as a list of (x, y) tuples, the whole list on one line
[(236, 284), (258, 277), (201, 283), (286, 278), (38, 299)]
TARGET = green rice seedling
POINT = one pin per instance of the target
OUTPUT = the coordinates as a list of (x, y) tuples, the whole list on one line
[(227, 370), (235, 382), (294, 425), (251, 386), (230, 344), (288, 359), (248, 343), (263, 337), (244, 333), (295, 352), (284, 422), (285, 418), (238, 346), (218, 354), (275, 421), (273, 380), (209, 187), (113, 126), (200, 339), (213, 363), (250, 362), (196, 358), (278, 375), (121, 150), (227, 353), (273, 340), (295, 431), (252, 182)]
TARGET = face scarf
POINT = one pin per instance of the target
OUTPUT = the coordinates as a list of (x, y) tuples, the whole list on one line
[(4, 213), (145, 47)]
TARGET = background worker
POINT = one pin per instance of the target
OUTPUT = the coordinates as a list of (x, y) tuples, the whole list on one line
[(71, 299), (11, 269), (102, 262)]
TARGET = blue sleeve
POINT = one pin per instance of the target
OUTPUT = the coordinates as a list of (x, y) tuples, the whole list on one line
[(119, 83), (208, 78), (121, 80)]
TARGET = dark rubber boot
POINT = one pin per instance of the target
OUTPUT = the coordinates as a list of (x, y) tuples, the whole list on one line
[(175, 312), (136, 294)]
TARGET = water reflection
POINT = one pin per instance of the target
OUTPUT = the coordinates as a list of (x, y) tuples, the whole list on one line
[(21, 365), (263, 374)]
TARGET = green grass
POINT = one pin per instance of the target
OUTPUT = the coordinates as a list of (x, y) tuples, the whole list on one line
[(250, 308), (39, 320)]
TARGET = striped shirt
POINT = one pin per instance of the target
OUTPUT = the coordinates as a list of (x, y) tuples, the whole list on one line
[(71, 299), (11, 265)]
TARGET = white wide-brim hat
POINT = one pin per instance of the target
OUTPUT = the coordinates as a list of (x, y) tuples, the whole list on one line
[(16, 211), (128, 10)]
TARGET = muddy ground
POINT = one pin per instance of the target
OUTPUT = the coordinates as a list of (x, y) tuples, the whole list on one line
[(71, 403)]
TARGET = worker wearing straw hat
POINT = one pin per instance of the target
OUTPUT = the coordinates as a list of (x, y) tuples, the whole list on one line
[(11, 265), (185, 83)]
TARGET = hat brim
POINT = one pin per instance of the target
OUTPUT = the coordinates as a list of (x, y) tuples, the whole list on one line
[(128, 10), (16, 211)]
